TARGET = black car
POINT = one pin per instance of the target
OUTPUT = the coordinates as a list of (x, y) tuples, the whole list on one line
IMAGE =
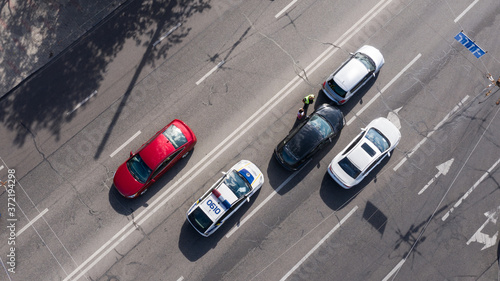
[(309, 136)]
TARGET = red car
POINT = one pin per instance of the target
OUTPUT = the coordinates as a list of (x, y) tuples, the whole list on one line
[(153, 159)]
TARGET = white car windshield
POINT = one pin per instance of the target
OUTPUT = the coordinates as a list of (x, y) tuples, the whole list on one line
[(379, 140), (366, 60)]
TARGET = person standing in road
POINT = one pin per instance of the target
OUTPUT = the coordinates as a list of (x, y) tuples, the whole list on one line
[(300, 114), (308, 100)]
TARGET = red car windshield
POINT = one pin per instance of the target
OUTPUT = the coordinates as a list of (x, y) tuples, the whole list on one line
[(139, 169)]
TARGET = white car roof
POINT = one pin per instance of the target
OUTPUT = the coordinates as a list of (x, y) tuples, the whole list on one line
[(352, 72), (350, 75), (359, 157)]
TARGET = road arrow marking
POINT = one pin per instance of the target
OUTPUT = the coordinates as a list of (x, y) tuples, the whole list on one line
[(442, 170), (479, 237), (393, 117)]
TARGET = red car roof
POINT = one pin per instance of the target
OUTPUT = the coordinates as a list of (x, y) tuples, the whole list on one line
[(156, 151)]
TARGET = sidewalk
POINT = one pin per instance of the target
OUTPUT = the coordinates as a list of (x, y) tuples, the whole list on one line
[(33, 32)]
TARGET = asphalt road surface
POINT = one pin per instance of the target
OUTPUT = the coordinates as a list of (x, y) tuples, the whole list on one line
[(235, 71)]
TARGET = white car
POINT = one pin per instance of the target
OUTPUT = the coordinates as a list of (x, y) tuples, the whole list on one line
[(353, 74), (367, 150), (225, 197)]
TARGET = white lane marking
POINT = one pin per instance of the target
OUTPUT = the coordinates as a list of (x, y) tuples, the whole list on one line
[(6, 271), (210, 72), (431, 133), (383, 89), (180, 278), (442, 170), (19, 206), (82, 102), (125, 144), (319, 244), (465, 11), (166, 34), (31, 222), (263, 203), (398, 266), (482, 238), (284, 9), (243, 128), (484, 176), (1, 167)]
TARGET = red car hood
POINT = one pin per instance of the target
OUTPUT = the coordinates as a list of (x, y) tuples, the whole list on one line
[(125, 183)]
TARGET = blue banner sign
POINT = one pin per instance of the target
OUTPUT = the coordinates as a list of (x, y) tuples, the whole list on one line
[(469, 44)]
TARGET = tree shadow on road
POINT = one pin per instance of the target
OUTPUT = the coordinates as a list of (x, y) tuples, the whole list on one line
[(44, 101)]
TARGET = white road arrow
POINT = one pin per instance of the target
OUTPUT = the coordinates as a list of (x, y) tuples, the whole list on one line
[(479, 237), (442, 170), (393, 117)]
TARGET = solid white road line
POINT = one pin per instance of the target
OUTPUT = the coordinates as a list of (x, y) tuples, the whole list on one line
[(31, 222), (466, 10), (82, 102), (166, 34), (225, 144), (383, 89), (6, 271), (319, 244), (284, 9), (210, 72), (461, 103), (394, 270), (485, 175), (125, 144), (263, 203)]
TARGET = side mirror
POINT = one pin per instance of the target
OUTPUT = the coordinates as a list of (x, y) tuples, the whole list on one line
[(388, 154), (224, 173), (363, 129), (248, 199), (131, 153)]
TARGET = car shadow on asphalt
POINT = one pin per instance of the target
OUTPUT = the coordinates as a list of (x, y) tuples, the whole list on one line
[(336, 197), (126, 206), (194, 246)]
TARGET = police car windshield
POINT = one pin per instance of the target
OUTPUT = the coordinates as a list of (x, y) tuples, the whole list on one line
[(200, 220), (237, 183)]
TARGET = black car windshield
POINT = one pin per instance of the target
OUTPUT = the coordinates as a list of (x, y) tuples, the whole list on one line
[(139, 169), (237, 183), (379, 140), (200, 220), (366, 61), (336, 88), (321, 125), (349, 168), (306, 139), (175, 136)]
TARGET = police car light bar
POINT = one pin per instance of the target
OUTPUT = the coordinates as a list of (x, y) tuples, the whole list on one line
[(221, 198)]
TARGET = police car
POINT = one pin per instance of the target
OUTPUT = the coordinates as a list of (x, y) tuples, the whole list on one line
[(225, 197)]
